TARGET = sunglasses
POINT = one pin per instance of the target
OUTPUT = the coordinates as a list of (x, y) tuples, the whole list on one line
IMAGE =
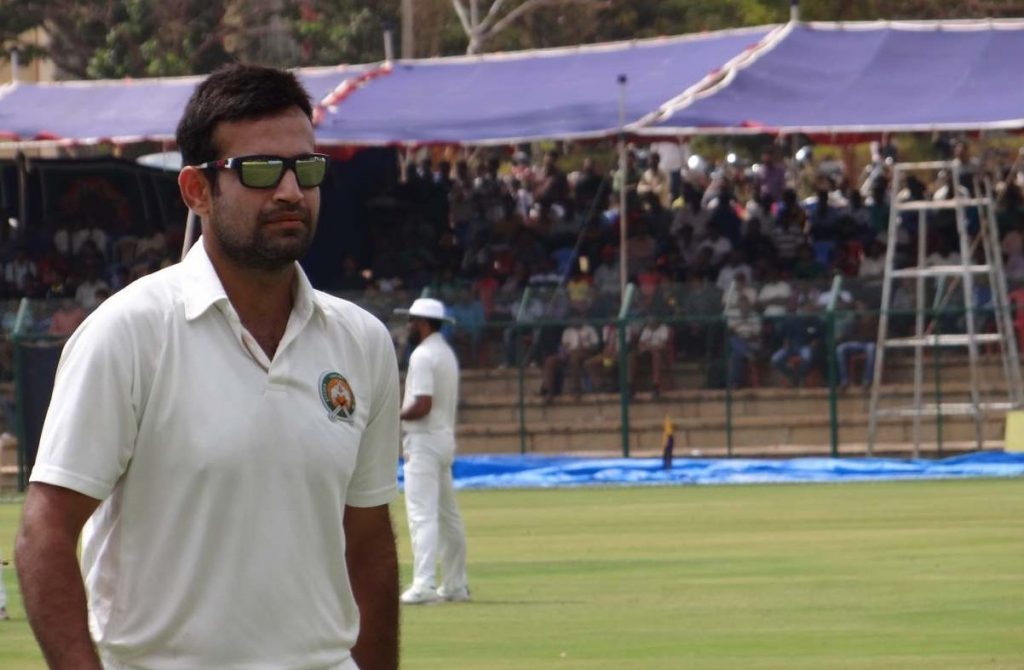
[(268, 171)]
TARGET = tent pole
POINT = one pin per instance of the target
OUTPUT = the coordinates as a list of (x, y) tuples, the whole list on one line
[(623, 257)]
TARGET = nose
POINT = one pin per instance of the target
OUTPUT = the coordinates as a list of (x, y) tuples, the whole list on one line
[(288, 189)]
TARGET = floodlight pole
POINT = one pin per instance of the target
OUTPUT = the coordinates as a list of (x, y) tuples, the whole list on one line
[(623, 257)]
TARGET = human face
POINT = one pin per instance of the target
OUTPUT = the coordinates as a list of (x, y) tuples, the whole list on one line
[(262, 229)]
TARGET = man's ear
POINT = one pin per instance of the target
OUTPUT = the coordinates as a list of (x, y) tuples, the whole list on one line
[(195, 190)]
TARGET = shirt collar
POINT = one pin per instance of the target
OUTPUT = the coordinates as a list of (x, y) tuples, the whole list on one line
[(203, 288)]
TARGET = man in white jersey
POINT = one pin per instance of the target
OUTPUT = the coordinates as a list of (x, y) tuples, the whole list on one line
[(428, 422), (229, 433)]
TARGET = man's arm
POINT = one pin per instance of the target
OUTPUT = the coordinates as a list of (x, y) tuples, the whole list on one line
[(419, 408), (373, 570), (50, 577)]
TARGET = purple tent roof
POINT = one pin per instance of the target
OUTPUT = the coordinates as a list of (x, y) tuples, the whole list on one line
[(123, 110), (867, 77), (557, 93)]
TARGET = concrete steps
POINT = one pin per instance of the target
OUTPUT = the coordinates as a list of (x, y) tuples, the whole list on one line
[(764, 421), (752, 436)]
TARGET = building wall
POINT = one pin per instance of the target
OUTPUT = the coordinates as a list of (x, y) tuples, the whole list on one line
[(36, 70)]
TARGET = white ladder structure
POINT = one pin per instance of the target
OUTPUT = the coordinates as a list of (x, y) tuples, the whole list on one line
[(965, 274)]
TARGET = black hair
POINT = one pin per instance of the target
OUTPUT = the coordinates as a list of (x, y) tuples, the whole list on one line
[(233, 93)]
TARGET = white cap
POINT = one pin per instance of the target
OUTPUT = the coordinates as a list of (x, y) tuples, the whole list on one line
[(426, 308)]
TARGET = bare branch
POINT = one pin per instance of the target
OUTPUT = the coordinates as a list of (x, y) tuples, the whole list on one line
[(463, 17), (526, 7), (492, 15)]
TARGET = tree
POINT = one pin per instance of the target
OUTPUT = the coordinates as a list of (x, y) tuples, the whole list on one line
[(329, 32), (481, 30)]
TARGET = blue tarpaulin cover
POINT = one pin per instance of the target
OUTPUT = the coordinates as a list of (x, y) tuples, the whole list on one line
[(481, 472)]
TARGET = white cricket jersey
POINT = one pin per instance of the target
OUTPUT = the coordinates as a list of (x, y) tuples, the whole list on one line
[(433, 371), (224, 475)]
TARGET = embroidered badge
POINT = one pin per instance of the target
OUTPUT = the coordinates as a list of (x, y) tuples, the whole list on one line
[(337, 397)]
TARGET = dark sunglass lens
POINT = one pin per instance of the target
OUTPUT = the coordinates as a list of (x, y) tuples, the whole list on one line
[(261, 173), (310, 171)]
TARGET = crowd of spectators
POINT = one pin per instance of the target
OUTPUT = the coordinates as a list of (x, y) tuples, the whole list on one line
[(730, 253)]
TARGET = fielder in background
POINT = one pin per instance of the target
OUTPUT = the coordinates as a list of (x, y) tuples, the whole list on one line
[(229, 433), (428, 422)]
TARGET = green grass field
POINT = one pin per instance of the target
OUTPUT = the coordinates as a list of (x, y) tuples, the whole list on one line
[(917, 575)]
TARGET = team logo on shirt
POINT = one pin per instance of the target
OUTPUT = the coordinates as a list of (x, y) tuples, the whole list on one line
[(337, 397)]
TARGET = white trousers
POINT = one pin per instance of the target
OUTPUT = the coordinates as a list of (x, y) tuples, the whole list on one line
[(435, 524)]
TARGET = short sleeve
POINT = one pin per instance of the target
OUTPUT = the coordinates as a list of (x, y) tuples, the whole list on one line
[(420, 377), (88, 436), (375, 479)]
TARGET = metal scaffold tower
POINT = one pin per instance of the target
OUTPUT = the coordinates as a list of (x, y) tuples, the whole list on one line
[(980, 260)]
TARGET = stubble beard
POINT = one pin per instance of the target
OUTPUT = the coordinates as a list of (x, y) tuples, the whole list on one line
[(259, 247)]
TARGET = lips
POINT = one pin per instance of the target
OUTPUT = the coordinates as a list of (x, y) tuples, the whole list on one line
[(295, 217)]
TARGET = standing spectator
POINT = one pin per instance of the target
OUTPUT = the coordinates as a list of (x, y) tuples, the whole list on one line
[(428, 420), (654, 183)]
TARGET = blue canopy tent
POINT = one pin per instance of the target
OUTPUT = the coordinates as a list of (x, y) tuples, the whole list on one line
[(854, 78), (566, 93), (121, 111)]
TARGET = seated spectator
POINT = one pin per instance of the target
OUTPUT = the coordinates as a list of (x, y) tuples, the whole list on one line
[(642, 248), (719, 245), (744, 341), (590, 190), (738, 289), (872, 266), (21, 273), (579, 343), (603, 367), (88, 293), (789, 231), (774, 294), (859, 338), (943, 253), (468, 331), (579, 288), (808, 267), (653, 349), (724, 217), (799, 333), (734, 265), (351, 279), (68, 316), (755, 245), (90, 232), (701, 304)]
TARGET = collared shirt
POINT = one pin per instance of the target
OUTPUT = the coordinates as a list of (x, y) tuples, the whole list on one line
[(224, 475), (433, 371)]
